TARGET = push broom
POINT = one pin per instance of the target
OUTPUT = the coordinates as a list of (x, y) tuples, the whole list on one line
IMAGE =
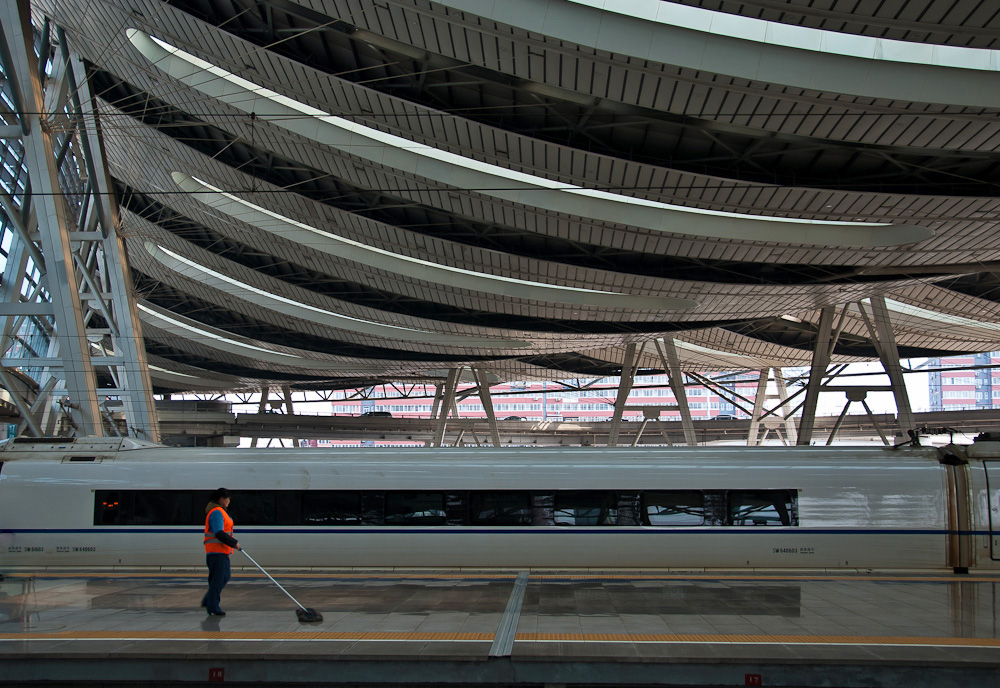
[(305, 614)]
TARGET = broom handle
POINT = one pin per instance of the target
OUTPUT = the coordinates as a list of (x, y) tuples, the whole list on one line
[(272, 580)]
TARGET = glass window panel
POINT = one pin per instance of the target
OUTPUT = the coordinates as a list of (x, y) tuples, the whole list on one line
[(585, 508), (500, 508), (331, 508), (253, 508), (414, 508), (674, 508), (762, 508), (155, 508), (110, 507)]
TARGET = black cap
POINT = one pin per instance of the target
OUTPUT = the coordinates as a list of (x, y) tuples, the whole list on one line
[(221, 493)]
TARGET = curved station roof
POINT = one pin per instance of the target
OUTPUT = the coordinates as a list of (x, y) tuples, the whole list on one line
[(322, 193)]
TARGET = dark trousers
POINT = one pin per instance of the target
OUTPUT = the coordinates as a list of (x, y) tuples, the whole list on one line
[(218, 576)]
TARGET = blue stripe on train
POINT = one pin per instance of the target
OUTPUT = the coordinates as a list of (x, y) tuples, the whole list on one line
[(531, 530)]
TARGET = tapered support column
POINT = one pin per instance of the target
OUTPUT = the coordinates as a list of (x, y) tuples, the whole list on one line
[(778, 416), (889, 354), (286, 391), (785, 411), (822, 353), (484, 397), (447, 401), (261, 409), (629, 366), (672, 364)]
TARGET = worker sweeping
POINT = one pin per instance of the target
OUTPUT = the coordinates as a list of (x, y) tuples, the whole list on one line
[(219, 544)]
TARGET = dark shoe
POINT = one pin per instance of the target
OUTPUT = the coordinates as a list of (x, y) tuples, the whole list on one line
[(218, 613)]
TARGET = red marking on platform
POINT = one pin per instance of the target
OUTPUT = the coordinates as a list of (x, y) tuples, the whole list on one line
[(217, 675)]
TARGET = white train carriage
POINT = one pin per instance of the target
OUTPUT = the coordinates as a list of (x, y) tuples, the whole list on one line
[(98, 503)]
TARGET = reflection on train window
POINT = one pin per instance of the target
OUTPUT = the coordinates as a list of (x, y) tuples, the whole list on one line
[(156, 508), (500, 508), (143, 507), (675, 508), (414, 508), (538, 508), (585, 508), (321, 508), (108, 508), (762, 508), (254, 508)]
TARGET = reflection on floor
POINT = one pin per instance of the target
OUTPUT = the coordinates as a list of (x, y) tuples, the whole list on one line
[(794, 623)]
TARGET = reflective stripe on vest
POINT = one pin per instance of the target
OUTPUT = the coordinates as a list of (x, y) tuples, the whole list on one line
[(212, 544)]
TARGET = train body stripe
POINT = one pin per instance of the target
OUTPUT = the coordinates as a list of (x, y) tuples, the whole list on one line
[(525, 530)]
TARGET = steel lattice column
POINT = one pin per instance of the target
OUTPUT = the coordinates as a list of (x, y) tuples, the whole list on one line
[(131, 373), (83, 297), (53, 223)]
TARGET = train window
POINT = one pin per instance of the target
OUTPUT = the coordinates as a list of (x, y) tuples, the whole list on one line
[(162, 508), (674, 508), (254, 508), (585, 508), (414, 508), (500, 508), (331, 508), (762, 508), (108, 507)]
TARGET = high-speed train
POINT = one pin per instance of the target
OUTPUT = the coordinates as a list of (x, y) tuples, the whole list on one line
[(118, 503)]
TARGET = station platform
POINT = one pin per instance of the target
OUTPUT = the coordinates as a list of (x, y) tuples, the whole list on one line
[(394, 628)]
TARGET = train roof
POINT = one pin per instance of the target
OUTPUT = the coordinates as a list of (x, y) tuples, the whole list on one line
[(125, 449)]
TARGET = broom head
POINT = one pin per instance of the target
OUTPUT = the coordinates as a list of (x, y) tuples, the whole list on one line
[(308, 615)]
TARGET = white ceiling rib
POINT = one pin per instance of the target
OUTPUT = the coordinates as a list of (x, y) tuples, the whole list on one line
[(461, 322)]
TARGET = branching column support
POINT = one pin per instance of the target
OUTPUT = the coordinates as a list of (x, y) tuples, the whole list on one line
[(822, 353), (885, 342), (629, 366), (290, 410), (447, 402), (484, 396), (781, 414), (753, 435), (672, 364), (265, 391)]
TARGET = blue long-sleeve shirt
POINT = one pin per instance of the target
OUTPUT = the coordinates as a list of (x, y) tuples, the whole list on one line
[(216, 525), (215, 521)]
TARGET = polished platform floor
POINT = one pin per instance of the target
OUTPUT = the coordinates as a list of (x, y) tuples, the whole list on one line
[(516, 629)]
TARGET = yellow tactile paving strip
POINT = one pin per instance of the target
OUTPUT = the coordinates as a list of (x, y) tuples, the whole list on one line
[(282, 574), (772, 577), (308, 636), (257, 636), (757, 639)]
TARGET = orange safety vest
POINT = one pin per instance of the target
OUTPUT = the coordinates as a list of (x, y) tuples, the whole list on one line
[(212, 544)]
